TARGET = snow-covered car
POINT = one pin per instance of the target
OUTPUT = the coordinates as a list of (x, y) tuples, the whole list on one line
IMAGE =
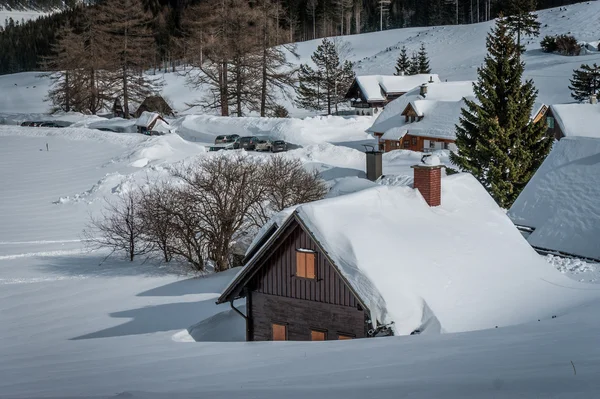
[(264, 144), (278, 146)]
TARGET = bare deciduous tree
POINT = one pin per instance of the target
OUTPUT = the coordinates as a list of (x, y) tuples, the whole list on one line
[(120, 228)]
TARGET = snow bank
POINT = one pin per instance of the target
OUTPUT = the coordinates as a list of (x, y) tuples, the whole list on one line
[(458, 267), (562, 200), (205, 128)]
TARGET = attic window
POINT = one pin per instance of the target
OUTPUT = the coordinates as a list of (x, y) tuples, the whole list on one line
[(550, 122), (305, 263)]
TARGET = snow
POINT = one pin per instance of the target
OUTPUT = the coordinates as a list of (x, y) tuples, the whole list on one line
[(375, 87), (562, 200), (578, 119), (432, 160), (146, 119), (19, 16), (391, 117)]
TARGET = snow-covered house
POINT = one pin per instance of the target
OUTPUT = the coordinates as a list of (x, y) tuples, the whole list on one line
[(425, 119), (369, 93), (568, 120), (151, 123), (392, 260), (559, 209)]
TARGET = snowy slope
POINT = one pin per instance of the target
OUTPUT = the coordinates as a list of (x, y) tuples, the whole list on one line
[(455, 52), (19, 16)]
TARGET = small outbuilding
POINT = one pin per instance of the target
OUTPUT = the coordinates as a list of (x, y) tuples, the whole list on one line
[(151, 123), (559, 209), (569, 120), (155, 104)]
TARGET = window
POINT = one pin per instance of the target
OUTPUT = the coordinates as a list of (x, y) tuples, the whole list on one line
[(305, 263), (406, 143), (317, 335), (446, 146), (412, 118), (550, 122), (345, 336), (432, 144), (279, 332), (414, 141)]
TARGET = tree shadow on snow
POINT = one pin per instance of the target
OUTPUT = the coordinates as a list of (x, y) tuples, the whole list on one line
[(158, 318), (93, 265)]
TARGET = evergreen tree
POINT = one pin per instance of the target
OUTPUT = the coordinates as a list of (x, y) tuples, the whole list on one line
[(413, 68), (520, 19), (403, 63), (324, 86), (496, 139), (423, 60), (585, 82)]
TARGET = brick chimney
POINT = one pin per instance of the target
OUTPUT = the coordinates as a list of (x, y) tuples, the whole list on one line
[(428, 180)]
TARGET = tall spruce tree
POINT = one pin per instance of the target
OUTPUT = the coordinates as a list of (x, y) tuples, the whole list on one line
[(423, 60), (520, 19), (402, 63), (325, 86), (585, 82), (496, 139), (413, 68)]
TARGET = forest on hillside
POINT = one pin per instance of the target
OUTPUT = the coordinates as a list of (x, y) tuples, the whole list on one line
[(23, 46)]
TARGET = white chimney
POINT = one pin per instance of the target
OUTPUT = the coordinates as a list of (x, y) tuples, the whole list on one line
[(593, 99)]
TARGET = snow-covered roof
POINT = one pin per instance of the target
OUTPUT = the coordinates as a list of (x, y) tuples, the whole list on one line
[(562, 200), (578, 119), (439, 120), (146, 118), (161, 127), (457, 267), (375, 87), (391, 116)]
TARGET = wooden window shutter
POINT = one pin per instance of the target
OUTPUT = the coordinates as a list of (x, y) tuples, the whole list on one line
[(300, 264), (310, 265), (279, 332), (317, 335), (342, 337)]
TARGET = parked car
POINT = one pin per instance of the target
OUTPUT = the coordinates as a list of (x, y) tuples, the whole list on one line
[(279, 145), (49, 124), (263, 144), (220, 139), (232, 138), (248, 143)]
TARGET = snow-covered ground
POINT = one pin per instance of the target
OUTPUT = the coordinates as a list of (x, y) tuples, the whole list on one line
[(19, 16), (77, 325)]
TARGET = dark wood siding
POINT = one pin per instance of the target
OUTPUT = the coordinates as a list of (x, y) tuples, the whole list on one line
[(407, 143), (301, 317), (276, 276)]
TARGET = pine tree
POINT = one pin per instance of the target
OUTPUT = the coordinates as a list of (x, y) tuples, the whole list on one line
[(413, 68), (423, 60), (521, 20), (324, 86), (131, 50), (585, 82), (403, 63), (496, 139)]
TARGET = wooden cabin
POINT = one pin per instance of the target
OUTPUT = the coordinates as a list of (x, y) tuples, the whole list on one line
[(151, 123), (573, 120), (155, 104), (294, 291), (370, 93)]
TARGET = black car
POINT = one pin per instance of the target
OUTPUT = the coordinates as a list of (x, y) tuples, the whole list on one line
[(278, 145), (49, 124), (248, 143)]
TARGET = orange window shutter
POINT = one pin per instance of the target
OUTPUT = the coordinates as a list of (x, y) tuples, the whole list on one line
[(279, 332), (310, 265), (300, 264), (317, 336), (344, 337)]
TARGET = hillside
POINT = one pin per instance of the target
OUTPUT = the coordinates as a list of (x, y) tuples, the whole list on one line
[(455, 52)]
